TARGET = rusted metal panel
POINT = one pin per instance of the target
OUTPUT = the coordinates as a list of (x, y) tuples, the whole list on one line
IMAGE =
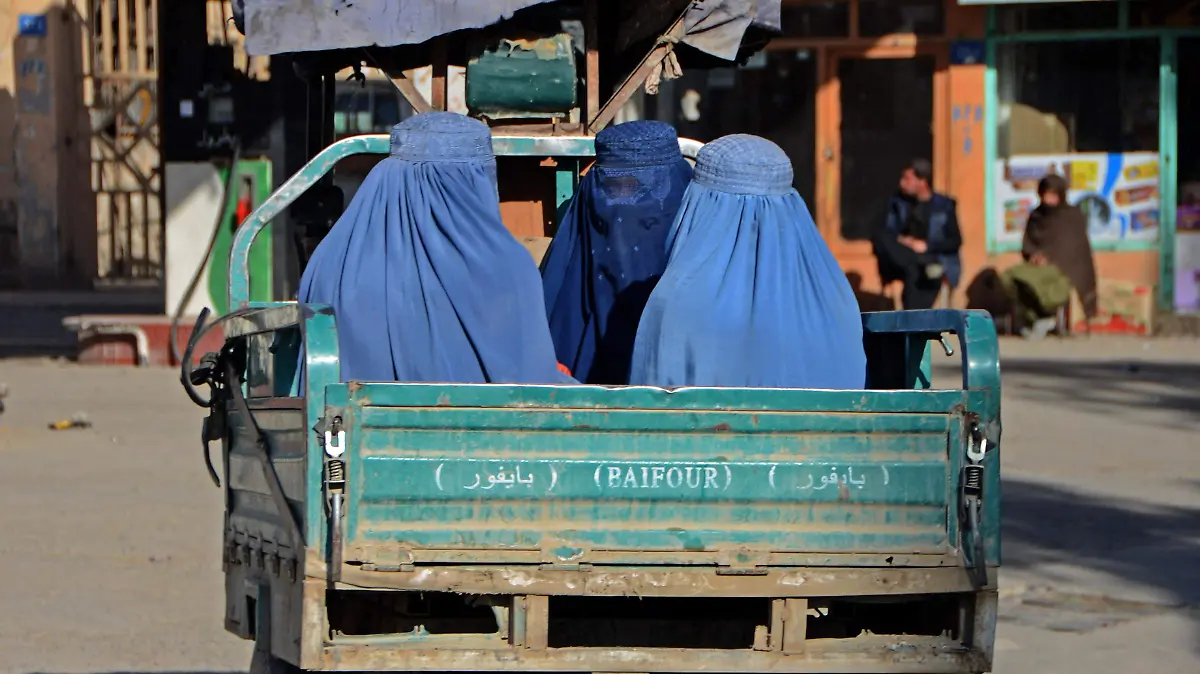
[(399, 653), (660, 582), (894, 654)]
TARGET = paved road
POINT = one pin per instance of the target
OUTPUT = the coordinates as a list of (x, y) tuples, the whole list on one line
[(109, 552)]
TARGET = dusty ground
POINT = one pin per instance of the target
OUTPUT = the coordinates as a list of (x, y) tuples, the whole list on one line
[(109, 537)]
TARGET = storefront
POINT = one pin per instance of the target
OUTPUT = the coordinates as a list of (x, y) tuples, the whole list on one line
[(1096, 91), (996, 94), (854, 90)]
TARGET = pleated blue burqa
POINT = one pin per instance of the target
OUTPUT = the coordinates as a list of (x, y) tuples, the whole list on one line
[(610, 248), (751, 295), (426, 283)]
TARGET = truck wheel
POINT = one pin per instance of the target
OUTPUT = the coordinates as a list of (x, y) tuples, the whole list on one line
[(263, 662)]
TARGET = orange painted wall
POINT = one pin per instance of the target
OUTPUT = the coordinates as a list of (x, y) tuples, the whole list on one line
[(967, 154), (967, 165), (959, 161)]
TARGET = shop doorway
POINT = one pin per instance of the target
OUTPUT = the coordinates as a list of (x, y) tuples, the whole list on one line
[(886, 121), (1187, 215), (1188, 87), (772, 95)]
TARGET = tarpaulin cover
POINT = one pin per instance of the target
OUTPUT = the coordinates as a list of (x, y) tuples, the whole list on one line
[(751, 295), (610, 248), (278, 26), (426, 283)]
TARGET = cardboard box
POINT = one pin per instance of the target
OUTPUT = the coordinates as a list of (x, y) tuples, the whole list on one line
[(1122, 308)]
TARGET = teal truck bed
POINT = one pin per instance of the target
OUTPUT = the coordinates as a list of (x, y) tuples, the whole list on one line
[(490, 527), (420, 527)]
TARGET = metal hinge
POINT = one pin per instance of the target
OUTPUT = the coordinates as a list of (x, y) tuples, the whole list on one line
[(389, 568), (741, 571)]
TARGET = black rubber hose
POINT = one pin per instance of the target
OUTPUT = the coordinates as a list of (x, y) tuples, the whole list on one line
[(185, 363), (222, 213)]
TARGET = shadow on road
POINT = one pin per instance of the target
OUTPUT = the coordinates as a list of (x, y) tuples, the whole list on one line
[(1126, 387), (1152, 545), (1056, 532)]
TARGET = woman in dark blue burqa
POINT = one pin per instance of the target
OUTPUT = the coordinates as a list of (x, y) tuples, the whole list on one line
[(751, 295), (610, 248), (426, 283)]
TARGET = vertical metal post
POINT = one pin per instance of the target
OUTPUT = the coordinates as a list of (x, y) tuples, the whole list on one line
[(1168, 146), (591, 28), (439, 97), (990, 131), (328, 101)]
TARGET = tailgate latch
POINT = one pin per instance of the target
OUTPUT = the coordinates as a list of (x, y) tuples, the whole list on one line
[(972, 497), (741, 563)]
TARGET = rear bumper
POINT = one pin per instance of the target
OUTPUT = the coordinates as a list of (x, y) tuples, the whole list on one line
[(663, 581), (873, 654), (523, 644)]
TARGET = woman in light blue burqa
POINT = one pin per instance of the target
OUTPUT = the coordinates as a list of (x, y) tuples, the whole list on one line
[(426, 283), (611, 248), (751, 295)]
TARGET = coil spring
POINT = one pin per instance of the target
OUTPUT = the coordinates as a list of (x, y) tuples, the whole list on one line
[(973, 480), (336, 471)]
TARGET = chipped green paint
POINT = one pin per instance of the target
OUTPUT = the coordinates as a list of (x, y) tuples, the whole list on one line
[(694, 470), (570, 471), (565, 554)]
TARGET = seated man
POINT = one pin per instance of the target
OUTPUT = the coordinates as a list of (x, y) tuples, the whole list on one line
[(611, 248), (751, 295), (919, 241), (426, 283), (1058, 257)]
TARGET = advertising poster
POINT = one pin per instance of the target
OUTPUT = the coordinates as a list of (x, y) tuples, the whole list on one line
[(1117, 192), (1187, 250)]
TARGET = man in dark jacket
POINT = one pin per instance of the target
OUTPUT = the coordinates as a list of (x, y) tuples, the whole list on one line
[(919, 241)]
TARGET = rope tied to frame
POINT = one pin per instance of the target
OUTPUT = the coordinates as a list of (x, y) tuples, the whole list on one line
[(668, 68)]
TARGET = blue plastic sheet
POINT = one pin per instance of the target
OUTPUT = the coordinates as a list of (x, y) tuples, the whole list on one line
[(751, 295), (426, 283), (610, 248)]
